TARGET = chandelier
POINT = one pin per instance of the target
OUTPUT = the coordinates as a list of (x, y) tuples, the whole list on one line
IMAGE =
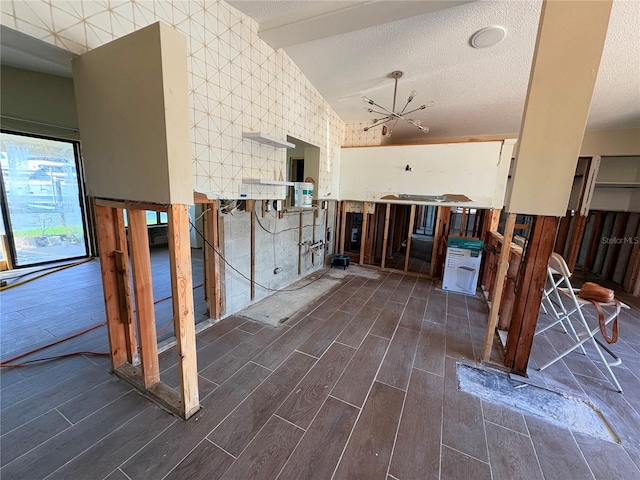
[(391, 115)]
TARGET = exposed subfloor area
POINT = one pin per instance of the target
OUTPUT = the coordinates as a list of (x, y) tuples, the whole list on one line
[(359, 384)]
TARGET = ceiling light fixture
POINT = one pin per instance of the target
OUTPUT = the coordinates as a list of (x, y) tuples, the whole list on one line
[(488, 36), (390, 115)]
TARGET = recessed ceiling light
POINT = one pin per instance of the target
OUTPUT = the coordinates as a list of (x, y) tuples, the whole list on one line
[(488, 36)]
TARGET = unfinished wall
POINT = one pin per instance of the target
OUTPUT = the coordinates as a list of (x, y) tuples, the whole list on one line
[(622, 198), (38, 97), (276, 247), (236, 83), (477, 170)]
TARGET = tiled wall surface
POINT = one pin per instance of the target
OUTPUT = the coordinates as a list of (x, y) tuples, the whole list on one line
[(355, 136), (236, 83)]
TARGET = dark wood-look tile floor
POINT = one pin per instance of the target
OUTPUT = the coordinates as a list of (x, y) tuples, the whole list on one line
[(360, 385)]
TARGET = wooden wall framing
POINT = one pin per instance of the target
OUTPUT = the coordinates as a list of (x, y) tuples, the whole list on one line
[(114, 261)]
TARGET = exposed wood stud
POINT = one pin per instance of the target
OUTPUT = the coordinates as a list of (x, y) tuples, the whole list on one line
[(594, 242), (440, 241), (299, 243), (509, 293), (499, 285), (127, 205), (107, 244), (124, 299), (253, 249), (127, 308), (437, 234), (412, 215), (631, 274), (343, 221), (531, 282), (184, 320), (493, 220), (313, 234), (576, 241), (385, 236), (223, 266), (563, 233), (622, 220), (463, 219), (143, 289), (363, 234), (212, 260)]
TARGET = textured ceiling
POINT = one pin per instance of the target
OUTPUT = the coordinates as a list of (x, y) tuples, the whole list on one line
[(476, 92)]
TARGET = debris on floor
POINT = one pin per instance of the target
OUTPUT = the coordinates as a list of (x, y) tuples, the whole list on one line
[(562, 410)]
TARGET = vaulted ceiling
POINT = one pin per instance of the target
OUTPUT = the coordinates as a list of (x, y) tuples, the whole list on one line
[(348, 49)]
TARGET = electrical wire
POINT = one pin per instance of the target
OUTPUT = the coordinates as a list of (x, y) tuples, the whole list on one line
[(8, 363), (52, 270), (247, 278), (201, 215)]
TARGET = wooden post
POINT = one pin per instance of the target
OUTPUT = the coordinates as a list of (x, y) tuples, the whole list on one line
[(563, 233), (594, 241), (124, 298), (106, 228), (223, 266), (463, 220), (440, 241), (576, 241), (437, 233), (385, 236), (499, 285), (182, 294), (212, 260), (313, 234), (509, 293), (143, 289), (343, 221), (253, 248), (412, 215), (126, 316), (531, 281), (623, 218), (299, 245), (632, 274), (493, 220), (363, 235)]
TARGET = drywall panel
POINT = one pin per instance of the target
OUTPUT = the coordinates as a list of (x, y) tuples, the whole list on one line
[(476, 170), (132, 100), (38, 97), (611, 142), (563, 74)]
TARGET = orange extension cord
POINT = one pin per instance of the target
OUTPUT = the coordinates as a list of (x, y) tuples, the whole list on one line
[(7, 363)]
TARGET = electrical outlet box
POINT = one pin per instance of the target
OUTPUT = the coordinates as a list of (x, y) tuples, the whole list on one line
[(324, 205), (278, 205)]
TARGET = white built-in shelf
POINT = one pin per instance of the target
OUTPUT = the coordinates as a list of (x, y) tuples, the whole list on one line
[(617, 184), (265, 139), (266, 181)]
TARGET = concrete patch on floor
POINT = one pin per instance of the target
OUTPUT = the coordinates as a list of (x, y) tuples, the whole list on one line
[(562, 410), (277, 308)]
